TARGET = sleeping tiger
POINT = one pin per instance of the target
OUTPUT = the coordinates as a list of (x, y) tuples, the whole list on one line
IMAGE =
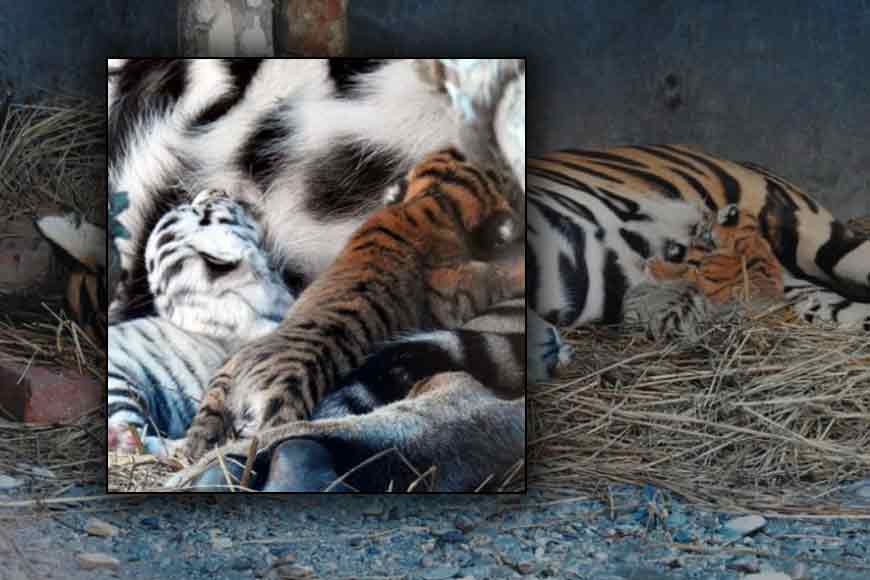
[(595, 219), (423, 261), (214, 290), (311, 144)]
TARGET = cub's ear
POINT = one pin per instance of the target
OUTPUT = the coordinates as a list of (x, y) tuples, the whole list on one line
[(73, 236), (395, 193)]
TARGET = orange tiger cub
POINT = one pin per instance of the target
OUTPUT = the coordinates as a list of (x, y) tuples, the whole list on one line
[(734, 262), (423, 261)]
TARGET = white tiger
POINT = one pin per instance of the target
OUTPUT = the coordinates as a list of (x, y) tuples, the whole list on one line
[(214, 289)]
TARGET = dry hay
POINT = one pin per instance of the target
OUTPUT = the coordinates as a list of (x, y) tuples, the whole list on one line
[(52, 154), (71, 452), (765, 413)]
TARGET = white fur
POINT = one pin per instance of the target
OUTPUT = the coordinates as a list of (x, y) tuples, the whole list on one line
[(83, 241)]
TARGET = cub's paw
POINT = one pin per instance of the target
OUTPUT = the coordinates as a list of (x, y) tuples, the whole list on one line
[(546, 354), (209, 427)]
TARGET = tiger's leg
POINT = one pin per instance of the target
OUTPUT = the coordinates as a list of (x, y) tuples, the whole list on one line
[(458, 294), (458, 429), (213, 421)]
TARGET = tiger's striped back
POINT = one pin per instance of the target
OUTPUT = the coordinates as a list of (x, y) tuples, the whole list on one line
[(417, 263)]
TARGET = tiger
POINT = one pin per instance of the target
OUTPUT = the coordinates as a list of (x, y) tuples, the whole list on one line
[(597, 217), (214, 289), (83, 246), (423, 261)]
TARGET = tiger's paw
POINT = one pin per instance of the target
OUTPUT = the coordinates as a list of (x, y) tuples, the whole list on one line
[(209, 427), (546, 354)]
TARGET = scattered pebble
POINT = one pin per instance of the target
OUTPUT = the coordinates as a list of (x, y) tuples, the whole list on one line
[(97, 527), (98, 561), (743, 526), (767, 576), (441, 573)]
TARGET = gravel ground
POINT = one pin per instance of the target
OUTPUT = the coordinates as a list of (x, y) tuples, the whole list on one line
[(638, 534)]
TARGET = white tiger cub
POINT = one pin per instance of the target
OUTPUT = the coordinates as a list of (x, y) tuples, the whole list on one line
[(214, 289)]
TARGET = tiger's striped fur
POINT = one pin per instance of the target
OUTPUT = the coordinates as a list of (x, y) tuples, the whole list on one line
[(417, 263), (596, 217), (86, 293), (214, 289)]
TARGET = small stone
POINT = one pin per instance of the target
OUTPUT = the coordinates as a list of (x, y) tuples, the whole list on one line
[(98, 560), (743, 526), (254, 3), (450, 536), (8, 482), (97, 527), (767, 576), (800, 571), (464, 524), (428, 546), (441, 573), (525, 567), (744, 564), (427, 562), (150, 522), (241, 563), (600, 556)]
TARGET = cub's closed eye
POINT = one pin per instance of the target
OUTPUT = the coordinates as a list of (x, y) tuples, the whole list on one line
[(217, 265)]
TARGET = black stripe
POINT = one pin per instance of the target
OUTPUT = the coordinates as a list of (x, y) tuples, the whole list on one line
[(698, 187), (730, 185), (346, 72), (266, 149), (660, 184), (605, 196), (583, 169), (603, 156), (242, 71), (615, 287), (636, 242), (656, 151), (384, 231)]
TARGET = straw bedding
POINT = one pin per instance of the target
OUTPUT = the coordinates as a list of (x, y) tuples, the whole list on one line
[(764, 413), (52, 157)]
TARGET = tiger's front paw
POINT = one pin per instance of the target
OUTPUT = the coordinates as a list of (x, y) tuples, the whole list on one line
[(209, 427)]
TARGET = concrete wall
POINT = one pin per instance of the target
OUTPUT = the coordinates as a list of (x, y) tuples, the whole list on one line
[(63, 45), (785, 83)]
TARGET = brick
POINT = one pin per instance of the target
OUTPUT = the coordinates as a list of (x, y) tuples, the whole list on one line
[(47, 396)]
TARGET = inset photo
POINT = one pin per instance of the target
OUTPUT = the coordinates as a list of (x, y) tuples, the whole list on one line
[(317, 275)]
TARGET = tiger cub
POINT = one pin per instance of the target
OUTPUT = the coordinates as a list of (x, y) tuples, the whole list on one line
[(490, 348), (733, 262), (214, 289), (420, 262)]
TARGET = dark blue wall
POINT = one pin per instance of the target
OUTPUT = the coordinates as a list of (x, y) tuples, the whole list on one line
[(785, 83), (62, 45)]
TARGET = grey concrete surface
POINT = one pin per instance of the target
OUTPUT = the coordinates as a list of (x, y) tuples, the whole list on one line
[(62, 46), (784, 83)]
